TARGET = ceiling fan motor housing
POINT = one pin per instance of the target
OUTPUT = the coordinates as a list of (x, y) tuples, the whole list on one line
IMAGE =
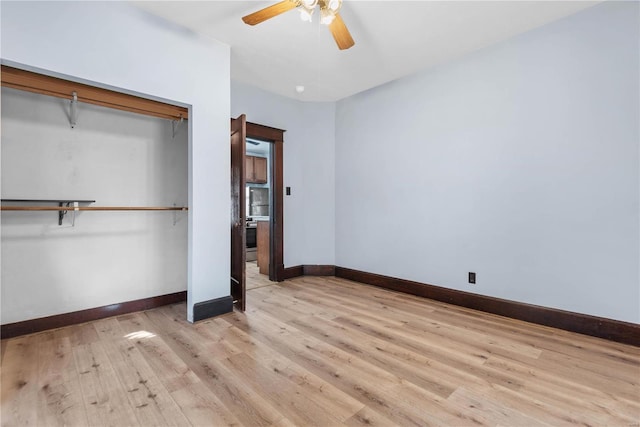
[(328, 11)]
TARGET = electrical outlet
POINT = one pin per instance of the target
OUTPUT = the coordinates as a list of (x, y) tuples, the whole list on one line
[(472, 278), (288, 191)]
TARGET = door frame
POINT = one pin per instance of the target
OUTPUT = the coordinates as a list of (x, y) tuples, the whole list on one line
[(275, 137), (238, 286)]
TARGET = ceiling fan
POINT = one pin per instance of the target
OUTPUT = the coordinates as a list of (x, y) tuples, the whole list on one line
[(328, 15)]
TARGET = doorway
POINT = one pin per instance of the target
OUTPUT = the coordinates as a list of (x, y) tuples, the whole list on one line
[(240, 208), (258, 164)]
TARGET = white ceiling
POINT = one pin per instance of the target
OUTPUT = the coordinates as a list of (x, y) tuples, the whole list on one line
[(393, 39), (258, 147)]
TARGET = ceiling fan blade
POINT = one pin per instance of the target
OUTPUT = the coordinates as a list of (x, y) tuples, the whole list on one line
[(269, 12), (340, 33)]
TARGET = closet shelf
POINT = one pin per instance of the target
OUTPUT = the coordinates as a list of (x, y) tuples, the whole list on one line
[(46, 201), (94, 208), (66, 205), (61, 209)]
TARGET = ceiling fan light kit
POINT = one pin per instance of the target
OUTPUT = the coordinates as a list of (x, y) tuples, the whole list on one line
[(306, 9), (306, 14), (326, 17), (329, 16)]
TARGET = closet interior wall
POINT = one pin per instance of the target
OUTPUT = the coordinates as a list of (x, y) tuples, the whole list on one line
[(114, 157)]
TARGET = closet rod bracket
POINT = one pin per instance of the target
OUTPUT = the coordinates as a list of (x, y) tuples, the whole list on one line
[(62, 212), (175, 216), (176, 124), (73, 119)]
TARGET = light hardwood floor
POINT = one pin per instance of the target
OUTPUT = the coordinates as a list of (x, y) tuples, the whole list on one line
[(253, 277), (319, 352)]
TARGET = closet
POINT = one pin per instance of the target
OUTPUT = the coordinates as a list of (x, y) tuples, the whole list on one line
[(95, 193)]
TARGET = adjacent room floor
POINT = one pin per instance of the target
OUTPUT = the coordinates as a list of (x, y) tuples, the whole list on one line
[(323, 352), (253, 277)]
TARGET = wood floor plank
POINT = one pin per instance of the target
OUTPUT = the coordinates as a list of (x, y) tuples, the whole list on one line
[(283, 309), (20, 381), (281, 392), (541, 337), (491, 411), (564, 392), (408, 365), (198, 403), (341, 405), (626, 380), (299, 341), (201, 406), (168, 366), (215, 344), (626, 390), (254, 279), (104, 396), (339, 290), (367, 417), (549, 412), (3, 347), (81, 334), (59, 392), (336, 402), (326, 395), (354, 376), (421, 319), (318, 351), (144, 391), (434, 349), (108, 328), (420, 316), (249, 407)]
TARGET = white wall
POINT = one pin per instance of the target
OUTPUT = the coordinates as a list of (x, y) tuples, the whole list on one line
[(113, 157), (115, 44), (519, 162), (309, 169)]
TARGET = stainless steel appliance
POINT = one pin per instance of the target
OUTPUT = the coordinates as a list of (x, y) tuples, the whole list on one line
[(258, 201), (252, 241), (251, 237)]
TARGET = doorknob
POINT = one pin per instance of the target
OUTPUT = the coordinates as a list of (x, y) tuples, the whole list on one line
[(238, 224)]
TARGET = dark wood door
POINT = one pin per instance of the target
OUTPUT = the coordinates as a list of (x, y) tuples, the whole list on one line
[(248, 169), (238, 236)]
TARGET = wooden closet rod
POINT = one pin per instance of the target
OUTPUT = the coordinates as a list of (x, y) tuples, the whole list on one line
[(53, 86), (94, 208)]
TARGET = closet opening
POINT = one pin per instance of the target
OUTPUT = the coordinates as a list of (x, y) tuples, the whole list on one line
[(95, 200)]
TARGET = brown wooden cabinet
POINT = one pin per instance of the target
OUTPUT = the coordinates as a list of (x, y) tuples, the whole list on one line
[(256, 170), (263, 247)]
